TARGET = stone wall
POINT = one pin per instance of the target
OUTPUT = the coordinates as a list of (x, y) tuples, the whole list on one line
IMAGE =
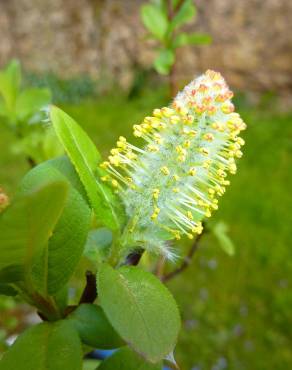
[(252, 42)]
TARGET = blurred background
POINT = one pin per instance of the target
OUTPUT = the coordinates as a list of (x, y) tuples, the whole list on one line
[(98, 59)]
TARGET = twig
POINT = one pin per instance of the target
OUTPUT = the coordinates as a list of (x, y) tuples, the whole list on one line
[(160, 267), (134, 258), (172, 12), (186, 261), (89, 293)]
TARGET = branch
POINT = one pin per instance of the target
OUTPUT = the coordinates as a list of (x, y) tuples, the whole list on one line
[(89, 293), (134, 258), (186, 261)]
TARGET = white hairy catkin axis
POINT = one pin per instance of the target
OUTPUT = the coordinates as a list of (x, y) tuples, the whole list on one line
[(170, 185)]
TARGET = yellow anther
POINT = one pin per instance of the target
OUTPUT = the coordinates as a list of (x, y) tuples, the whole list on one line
[(190, 236), (157, 113), (104, 178), (175, 190), (198, 229), (208, 213), (115, 151), (232, 168), (209, 137), (167, 112), (131, 155), (104, 164), (153, 148), (240, 141), (182, 111), (122, 139), (155, 193), (218, 126), (227, 108), (189, 119), (174, 119), (115, 160), (164, 170), (176, 177), (190, 215), (238, 154), (221, 173), (211, 191), (204, 151), (187, 144), (181, 158), (115, 184), (192, 171), (176, 235), (137, 133)]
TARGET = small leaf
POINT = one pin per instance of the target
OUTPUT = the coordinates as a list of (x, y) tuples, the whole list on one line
[(126, 359), (47, 346), (220, 230), (140, 308), (185, 14), (86, 158), (30, 101), (94, 328), (184, 38), (164, 61), (6, 289), (34, 217), (98, 245), (155, 20), (10, 80)]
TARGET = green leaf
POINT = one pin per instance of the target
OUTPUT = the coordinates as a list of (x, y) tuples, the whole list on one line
[(10, 80), (6, 289), (94, 328), (185, 14), (164, 61), (184, 38), (220, 230), (69, 237), (51, 146), (155, 20), (126, 359), (28, 223), (86, 158), (11, 274), (47, 346), (30, 101), (141, 309), (98, 244)]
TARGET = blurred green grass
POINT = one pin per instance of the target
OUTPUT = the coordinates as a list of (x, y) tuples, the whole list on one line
[(236, 311)]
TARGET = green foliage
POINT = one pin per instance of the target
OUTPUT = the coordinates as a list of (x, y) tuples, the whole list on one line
[(47, 346), (64, 90), (34, 216), (164, 61), (93, 327), (97, 247), (150, 328), (220, 230), (20, 111), (126, 359), (164, 20), (233, 315), (70, 233), (155, 20), (86, 159)]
